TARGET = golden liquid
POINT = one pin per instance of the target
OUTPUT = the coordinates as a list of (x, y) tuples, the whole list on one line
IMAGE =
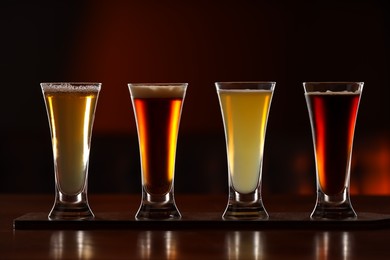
[(245, 114), (71, 117)]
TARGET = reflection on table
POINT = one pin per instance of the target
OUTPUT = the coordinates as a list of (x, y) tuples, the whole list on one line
[(191, 243)]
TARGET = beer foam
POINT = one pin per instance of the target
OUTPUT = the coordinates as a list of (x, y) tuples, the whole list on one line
[(157, 91), (244, 90), (71, 87), (329, 92)]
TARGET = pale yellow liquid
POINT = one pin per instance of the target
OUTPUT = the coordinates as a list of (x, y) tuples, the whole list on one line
[(245, 114), (71, 117)]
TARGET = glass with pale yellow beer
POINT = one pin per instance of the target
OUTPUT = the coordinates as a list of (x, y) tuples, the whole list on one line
[(245, 107), (71, 110)]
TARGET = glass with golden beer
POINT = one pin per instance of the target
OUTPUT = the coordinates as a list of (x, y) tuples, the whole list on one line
[(71, 110), (245, 107), (333, 108), (157, 109)]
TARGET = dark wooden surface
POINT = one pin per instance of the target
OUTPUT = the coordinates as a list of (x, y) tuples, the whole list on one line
[(207, 242)]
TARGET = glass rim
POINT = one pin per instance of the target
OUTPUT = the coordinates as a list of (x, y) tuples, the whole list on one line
[(245, 85), (245, 82), (76, 83), (159, 84), (333, 82), (333, 87)]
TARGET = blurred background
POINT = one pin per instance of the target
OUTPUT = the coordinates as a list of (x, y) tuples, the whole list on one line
[(199, 42)]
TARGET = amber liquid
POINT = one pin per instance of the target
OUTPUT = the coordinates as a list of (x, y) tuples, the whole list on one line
[(71, 117), (333, 118), (158, 123)]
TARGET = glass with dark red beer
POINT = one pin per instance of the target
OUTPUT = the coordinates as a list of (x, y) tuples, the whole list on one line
[(333, 108), (157, 109)]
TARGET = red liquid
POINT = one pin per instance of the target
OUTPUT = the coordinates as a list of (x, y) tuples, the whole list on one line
[(158, 124), (333, 118)]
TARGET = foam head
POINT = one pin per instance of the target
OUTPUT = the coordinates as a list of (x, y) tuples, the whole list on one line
[(71, 87), (174, 90)]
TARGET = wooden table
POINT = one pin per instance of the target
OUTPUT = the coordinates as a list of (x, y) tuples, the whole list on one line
[(208, 242)]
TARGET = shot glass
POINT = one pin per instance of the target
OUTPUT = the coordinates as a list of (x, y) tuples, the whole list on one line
[(157, 109), (71, 110), (333, 108), (245, 107)]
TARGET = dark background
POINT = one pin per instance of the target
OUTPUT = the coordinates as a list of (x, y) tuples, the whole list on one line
[(199, 42)]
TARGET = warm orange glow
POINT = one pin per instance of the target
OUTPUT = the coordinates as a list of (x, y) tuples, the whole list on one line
[(301, 167), (320, 143), (372, 167), (176, 108), (144, 143), (352, 122)]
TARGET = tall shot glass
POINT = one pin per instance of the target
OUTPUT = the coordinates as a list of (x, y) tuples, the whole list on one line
[(245, 107), (71, 110), (333, 108), (157, 109)]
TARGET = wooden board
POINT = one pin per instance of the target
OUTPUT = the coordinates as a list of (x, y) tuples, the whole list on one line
[(124, 220)]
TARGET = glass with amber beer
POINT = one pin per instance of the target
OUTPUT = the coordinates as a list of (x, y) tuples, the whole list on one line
[(157, 109), (245, 107), (71, 110), (333, 108)]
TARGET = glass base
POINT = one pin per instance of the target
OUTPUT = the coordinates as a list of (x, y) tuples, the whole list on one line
[(155, 207), (335, 207), (79, 211), (71, 207), (245, 207), (161, 212)]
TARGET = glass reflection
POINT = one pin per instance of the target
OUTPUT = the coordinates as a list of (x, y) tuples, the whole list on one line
[(245, 245), (72, 244), (160, 244), (333, 245)]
